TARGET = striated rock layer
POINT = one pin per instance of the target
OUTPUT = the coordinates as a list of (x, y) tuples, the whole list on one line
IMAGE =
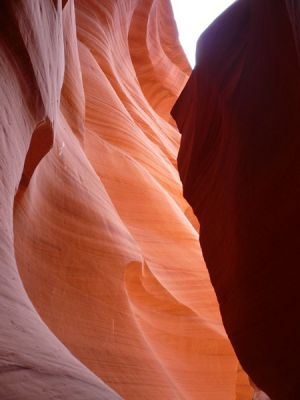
[(104, 293)]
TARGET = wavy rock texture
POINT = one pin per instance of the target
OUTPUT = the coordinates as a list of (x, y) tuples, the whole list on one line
[(104, 291)]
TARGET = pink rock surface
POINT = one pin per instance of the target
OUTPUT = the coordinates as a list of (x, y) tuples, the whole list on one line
[(104, 293)]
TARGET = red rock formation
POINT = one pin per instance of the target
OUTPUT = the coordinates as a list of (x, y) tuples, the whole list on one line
[(103, 289), (239, 163)]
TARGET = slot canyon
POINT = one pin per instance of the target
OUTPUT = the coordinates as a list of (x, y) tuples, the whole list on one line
[(105, 292)]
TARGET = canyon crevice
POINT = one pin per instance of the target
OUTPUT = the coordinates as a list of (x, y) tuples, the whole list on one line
[(104, 292)]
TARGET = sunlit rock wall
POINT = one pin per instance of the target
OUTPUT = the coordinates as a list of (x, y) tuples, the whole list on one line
[(103, 290)]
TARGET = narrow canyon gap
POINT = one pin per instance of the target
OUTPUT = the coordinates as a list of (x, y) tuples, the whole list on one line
[(104, 293)]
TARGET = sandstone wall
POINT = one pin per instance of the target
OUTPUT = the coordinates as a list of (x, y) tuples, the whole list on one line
[(103, 289)]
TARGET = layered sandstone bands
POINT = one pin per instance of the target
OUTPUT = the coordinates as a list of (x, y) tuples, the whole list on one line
[(104, 291)]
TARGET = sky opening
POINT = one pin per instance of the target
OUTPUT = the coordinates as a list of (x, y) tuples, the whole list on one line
[(192, 18)]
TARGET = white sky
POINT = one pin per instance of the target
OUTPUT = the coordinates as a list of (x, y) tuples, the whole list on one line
[(192, 17)]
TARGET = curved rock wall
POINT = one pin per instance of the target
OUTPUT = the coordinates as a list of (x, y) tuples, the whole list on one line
[(104, 291)]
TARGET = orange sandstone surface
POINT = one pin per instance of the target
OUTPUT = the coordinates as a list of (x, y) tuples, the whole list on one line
[(104, 293)]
